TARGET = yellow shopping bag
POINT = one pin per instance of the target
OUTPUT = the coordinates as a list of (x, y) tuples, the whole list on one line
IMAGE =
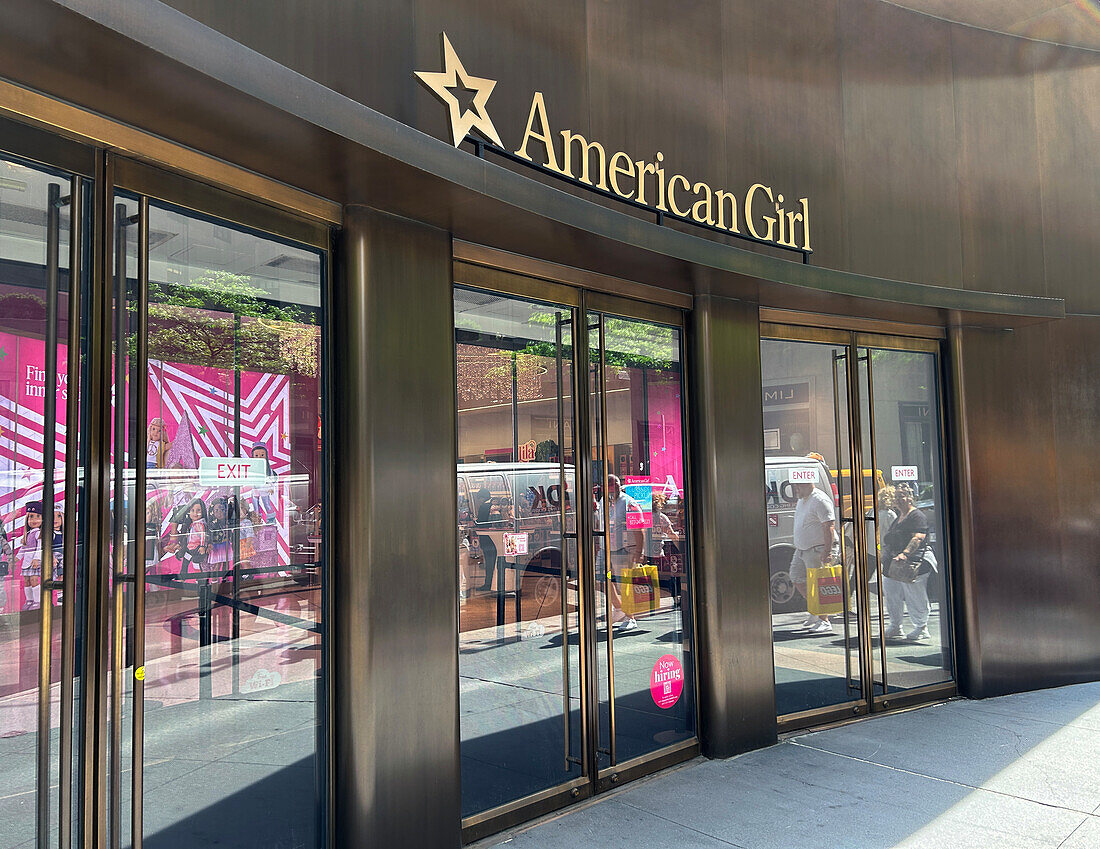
[(640, 590), (825, 585)]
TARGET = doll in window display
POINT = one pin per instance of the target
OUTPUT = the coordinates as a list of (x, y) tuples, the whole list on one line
[(221, 545), (30, 555), (58, 547), (156, 444), (194, 541), (248, 539)]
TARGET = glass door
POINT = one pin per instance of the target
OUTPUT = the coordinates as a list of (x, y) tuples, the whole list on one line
[(162, 572), (519, 591), (42, 359), (573, 573), (906, 556), (217, 572), (859, 587), (639, 545)]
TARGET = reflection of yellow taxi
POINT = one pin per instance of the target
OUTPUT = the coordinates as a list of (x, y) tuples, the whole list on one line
[(842, 481)]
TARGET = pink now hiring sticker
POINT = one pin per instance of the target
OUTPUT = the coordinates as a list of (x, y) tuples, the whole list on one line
[(666, 681)]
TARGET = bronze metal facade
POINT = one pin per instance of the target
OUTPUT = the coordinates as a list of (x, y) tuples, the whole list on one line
[(953, 186)]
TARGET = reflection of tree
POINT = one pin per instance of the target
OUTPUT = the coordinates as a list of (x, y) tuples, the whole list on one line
[(485, 374), (22, 312), (546, 451), (907, 370), (629, 343), (197, 323)]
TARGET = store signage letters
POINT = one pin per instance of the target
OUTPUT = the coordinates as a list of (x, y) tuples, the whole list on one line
[(804, 475), (231, 471), (760, 212), (903, 473), (786, 393)]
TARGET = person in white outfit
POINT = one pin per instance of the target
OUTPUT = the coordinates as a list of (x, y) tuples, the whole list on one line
[(815, 543)]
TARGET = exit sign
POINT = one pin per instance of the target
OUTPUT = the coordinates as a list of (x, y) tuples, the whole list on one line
[(232, 471)]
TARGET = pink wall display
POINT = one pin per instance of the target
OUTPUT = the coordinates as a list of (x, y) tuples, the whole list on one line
[(666, 460), (191, 412)]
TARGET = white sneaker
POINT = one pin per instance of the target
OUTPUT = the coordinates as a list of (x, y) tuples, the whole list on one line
[(627, 625), (920, 635), (822, 627), (811, 621), (892, 634)]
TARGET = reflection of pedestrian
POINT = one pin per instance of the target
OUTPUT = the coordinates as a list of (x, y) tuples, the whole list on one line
[(263, 497), (906, 569), (815, 543), (483, 511), (627, 548), (886, 519)]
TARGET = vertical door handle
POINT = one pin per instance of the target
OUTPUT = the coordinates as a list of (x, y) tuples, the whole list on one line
[(45, 557), (69, 541)]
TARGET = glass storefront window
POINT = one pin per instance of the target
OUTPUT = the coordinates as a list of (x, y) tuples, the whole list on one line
[(860, 603), (519, 660), (233, 506), (575, 627)]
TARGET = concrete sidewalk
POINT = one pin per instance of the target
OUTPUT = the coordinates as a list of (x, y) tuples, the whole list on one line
[(1017, 771)]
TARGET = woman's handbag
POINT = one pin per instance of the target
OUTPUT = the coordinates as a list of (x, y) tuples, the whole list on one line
[(911, 568), (903, 570)]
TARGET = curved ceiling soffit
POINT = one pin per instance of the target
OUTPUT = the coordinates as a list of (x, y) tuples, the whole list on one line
[(212, 54), (1068, 23)]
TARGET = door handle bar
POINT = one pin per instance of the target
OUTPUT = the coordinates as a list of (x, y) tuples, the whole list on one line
[(45, 556)]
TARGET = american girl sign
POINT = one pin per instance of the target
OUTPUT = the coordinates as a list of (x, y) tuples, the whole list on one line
[(759, 213)]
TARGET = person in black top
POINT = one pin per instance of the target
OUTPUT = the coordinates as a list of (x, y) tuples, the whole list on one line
[(484, 518), (905, 569)]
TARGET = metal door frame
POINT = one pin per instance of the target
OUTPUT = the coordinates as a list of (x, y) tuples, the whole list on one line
[(853, 337), (584, 305), (127, 178), (94, 816)]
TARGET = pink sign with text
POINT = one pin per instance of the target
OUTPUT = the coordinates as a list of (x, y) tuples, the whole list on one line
[(666, 681)]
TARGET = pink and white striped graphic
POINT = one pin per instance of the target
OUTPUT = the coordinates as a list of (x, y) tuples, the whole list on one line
[(196, 405), (201, 399)]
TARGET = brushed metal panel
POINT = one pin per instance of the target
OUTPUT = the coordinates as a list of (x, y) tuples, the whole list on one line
[(782, 88), (900, 175), (733, 613), (395, 623), (1031, 619), (998, 167), (656, 84), (265, 117), (1067, 106), (1075, 389), (359, 49)]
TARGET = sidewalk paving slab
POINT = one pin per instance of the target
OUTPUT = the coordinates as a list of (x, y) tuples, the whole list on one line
[(1018, 771)]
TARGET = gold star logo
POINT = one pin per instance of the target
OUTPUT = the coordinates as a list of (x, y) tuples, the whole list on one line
[(454, 76)]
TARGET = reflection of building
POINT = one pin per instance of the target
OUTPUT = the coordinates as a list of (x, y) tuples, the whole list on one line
[(273, 205)]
